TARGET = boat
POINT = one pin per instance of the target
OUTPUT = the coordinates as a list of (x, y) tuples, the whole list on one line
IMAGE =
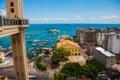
[(29, 49), (45, 42), (54, 30), (42, 45), (36, 40), (34, 44)]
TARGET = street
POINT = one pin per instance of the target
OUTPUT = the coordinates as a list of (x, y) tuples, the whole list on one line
[(9, 71)]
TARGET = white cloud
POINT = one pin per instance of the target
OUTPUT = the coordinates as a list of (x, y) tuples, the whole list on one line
[(2, 12), (56, 19), (111, 17), (91, 19), (105, 18), (78, 19)]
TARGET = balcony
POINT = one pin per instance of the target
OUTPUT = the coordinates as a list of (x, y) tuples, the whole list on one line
[(10, 26), (12, 22)]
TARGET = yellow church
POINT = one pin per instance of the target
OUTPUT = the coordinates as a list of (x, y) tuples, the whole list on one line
[(73, 47)]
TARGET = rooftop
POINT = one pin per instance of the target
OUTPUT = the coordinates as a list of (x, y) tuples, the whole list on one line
[(66, 42), (106, 53)]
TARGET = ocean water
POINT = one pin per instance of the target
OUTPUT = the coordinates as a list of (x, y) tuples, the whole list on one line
[(41, 32)]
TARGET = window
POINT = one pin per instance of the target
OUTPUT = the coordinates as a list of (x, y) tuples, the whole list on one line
[(12, 10), (18, 74), (11, 4), (22, 74)]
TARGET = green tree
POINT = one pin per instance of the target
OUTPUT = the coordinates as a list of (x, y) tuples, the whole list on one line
[(56, 58), (63, 52), (71, 39), (47, 52), (85, 70), (40, 65), (91, 69), (60, 76), (96, 65), (71, 68), (59, 55)]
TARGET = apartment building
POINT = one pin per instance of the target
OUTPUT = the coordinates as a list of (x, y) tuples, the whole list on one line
[(106, 57)]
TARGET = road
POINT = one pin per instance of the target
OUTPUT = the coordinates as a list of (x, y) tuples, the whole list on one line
[(7, 53), (9, 71)]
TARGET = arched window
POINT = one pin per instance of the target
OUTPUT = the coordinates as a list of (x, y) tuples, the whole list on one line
[(11, 4)]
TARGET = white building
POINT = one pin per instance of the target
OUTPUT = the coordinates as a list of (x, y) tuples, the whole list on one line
[(79, 35), (62, 37), (114, 43), (107, 58), (100, 36)]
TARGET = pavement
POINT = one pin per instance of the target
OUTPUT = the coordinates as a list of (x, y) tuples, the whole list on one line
[(79, 59)]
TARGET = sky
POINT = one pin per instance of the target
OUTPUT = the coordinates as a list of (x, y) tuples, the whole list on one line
[(70, 11)]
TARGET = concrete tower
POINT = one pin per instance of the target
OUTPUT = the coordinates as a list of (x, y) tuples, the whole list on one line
[(14, 8), (15, 11)]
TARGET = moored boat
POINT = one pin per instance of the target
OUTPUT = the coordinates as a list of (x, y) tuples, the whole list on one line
[(34, 44), (54, 30), (42, 45)]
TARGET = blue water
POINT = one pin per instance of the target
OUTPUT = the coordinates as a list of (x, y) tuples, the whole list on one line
[(41, 32)]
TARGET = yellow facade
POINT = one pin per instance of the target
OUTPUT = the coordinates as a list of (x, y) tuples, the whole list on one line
[(73, 47)]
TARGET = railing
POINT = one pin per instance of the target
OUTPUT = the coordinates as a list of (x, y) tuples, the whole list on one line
[(9, 22)]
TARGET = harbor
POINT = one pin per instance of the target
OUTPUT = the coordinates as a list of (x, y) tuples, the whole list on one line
[(39, 35)]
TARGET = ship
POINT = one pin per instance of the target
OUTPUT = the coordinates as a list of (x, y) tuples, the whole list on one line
[(54, 30)]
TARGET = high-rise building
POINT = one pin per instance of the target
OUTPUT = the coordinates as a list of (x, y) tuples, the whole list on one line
[(100, 36), (88, 37), (109, 39), (114, 43), (79, 35), (13, 25)]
